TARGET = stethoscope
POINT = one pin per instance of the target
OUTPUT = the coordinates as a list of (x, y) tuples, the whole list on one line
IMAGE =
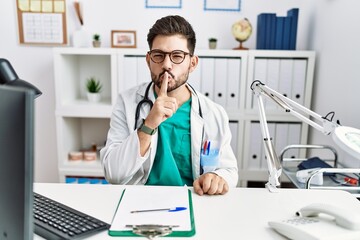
[(146, 100)]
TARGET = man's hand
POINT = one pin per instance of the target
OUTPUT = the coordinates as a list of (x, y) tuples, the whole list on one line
[(211, 184), (164, 106)]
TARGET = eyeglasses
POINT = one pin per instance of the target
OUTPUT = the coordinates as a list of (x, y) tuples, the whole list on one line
[(176, 56)]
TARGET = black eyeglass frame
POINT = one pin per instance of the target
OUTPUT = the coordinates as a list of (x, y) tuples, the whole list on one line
[(170, 55)]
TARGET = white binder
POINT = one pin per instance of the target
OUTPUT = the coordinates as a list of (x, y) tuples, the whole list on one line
[(273, 75), (299, 79), (143, 72), (233, 86), (286, 77), (281, 136), (294, 134), (234, 126), (256, 146), (207, 77), (221, 80), (129, 73), (260, 73), (195, 76)]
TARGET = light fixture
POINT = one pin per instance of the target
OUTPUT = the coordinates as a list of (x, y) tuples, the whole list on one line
[(347, 138), (9, 77)]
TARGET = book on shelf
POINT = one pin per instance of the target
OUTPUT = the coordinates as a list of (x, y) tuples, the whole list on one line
[(277, 32), (294, 14)]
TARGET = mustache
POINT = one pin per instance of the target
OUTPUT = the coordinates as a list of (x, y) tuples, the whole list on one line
[(161, 74)]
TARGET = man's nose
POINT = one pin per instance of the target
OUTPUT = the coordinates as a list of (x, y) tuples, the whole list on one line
[(167, 63)]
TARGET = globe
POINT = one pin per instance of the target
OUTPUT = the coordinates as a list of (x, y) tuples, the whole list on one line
[(241, 30)]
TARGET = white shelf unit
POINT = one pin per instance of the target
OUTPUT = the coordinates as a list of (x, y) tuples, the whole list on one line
[(224, 75)]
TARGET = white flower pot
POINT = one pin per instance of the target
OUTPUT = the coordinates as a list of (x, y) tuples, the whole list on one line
[(93, 97)]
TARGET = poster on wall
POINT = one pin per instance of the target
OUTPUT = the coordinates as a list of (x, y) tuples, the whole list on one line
[(222, 5), (163, 3)]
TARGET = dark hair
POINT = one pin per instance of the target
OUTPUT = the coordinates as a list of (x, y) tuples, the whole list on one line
[(172, 25)]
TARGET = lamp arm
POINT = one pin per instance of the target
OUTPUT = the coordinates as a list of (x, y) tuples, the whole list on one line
[(273, 163), (322, 124), (292, 107)]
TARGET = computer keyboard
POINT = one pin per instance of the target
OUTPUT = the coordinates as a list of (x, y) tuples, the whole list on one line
[(54, 220)]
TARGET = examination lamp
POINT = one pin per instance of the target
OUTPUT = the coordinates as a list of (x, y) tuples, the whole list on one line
[(347, 138), (9, 77)]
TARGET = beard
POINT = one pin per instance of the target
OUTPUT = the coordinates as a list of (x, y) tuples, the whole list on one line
[(179, 81)]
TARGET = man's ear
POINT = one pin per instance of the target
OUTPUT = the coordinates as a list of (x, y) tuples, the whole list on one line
[(193, 63), (148, 60)]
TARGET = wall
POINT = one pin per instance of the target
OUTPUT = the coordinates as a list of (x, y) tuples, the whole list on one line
[(35, 63)]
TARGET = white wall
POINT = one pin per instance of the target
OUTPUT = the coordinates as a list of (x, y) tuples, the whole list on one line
[(316, 31)]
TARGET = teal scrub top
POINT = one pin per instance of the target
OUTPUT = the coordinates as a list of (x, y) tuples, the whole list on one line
[(172, 163)]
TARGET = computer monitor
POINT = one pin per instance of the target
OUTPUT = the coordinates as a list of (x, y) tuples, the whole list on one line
[(16, 162)]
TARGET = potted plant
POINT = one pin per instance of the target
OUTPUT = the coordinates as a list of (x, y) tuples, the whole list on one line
[(93, 89), (96, 40), (212, 43)]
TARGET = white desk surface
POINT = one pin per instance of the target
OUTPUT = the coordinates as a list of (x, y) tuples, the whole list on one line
[(241, 213)]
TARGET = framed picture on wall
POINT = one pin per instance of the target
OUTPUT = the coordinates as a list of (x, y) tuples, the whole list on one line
[(123, 39), (163, 3)]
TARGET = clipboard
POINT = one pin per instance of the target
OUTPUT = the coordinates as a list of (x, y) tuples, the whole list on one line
[(182, 223)]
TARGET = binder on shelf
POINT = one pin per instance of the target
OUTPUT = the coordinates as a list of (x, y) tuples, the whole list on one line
[(294, 13), (195, 76), (271, 29), (287, 32), (152, 209), (286, 77), (260, 73), (256, 146), (234, 125), (261, 31), (279, 32), (208, 77), (281, 136), (294, 134), (299, 81), (273, 76), (143, 73), (221, 79), (129, 73), (233, 84)]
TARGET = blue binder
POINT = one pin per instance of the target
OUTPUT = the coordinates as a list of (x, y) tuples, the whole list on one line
[(294, 13)]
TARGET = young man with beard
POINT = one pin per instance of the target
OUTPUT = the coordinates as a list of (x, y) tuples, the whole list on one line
[(164, 146)]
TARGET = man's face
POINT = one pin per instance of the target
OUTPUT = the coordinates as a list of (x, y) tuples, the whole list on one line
[(178, 73)]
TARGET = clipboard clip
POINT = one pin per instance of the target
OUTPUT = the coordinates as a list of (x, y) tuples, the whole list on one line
[(152, 231)]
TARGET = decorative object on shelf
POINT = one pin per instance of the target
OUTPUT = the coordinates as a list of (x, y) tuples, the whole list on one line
[(94, 87), (212, 43), (96, 40), (123, 39), (241, 30), (81, 37)]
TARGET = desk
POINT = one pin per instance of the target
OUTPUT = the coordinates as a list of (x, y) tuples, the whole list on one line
[(242, 212)]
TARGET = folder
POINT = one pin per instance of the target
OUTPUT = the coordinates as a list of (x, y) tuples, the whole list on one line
[(260, 73), (256, 146), (208, 77), (233, 85), (221, 80), (150, 198), (129, 73), (273, 76), (143, 73), (299, 80)]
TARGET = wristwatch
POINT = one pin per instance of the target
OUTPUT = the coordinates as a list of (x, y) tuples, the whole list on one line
[(146, 129)]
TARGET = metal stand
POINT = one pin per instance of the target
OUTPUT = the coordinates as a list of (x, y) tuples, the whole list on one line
[(152, 231)]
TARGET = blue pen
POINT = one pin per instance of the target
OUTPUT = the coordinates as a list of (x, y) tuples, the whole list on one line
[(208, 148), (175, 209)]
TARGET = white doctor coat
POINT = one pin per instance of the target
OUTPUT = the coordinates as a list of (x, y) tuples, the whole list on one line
[(121, 157)]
